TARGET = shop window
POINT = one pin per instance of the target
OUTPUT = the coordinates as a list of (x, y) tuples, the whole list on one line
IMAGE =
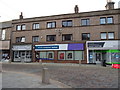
[(51, 38), (79, 55), (61, 55), (51, 24), (70, 55), (67, 23), (85, 36), (20, 39), (50, 55), (35, 38), (104, 35), (85, 22), (110, 35), (67, 37), (47, 55), (36, 26)]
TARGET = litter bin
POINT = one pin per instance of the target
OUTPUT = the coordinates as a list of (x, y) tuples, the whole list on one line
[(103, 63)]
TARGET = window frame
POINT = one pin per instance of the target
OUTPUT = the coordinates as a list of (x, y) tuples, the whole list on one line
[(113, 35), (21, 27), (87, 36), (101, 36), (64, 36), (50, 36), (68, 23), (86, 22), (34, 39), (101, 21), (19, 39), (18, 27), (35, 27), (108, 20), (51, 24)]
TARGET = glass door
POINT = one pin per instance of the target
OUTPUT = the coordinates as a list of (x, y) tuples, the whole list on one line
[(23, 56), (28, 56), (98, 57)]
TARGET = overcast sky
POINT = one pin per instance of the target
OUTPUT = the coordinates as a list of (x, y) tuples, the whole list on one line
[(10, 9)]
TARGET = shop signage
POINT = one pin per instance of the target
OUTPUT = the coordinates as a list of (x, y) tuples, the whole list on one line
[(96, 44), (22, 47), (74, 46), (47, 47)]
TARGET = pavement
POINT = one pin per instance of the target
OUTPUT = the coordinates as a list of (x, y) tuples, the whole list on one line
[(11, 79), (27, 75)]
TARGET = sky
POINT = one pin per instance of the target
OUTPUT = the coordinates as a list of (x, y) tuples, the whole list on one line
[(11, 9)]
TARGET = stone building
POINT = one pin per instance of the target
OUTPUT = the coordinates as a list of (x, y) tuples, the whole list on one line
[(89, 37), (5, 35)]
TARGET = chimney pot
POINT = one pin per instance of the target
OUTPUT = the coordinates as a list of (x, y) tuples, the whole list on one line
[(21, 16), (109, 5), (76, 9)]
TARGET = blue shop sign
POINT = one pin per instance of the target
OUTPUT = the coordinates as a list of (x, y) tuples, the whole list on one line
[(47, 47)]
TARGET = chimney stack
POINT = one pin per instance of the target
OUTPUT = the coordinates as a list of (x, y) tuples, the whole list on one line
[(21, 16), (110, 5), (76, 9)]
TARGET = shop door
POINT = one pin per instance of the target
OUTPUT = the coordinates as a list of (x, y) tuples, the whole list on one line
[(23, 56), (98, 57)]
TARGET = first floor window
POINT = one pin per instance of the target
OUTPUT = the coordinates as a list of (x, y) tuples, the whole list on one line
[(85, 36), (67, 37), (110, 35), (35, 38), (51, 38), (104, 35), (20, 39)]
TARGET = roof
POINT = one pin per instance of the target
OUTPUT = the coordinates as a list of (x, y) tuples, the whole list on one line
[(68, 16), (6, 24)]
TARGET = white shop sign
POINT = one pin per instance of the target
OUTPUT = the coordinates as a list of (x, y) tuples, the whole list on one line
[(103, 44), (22, 47)]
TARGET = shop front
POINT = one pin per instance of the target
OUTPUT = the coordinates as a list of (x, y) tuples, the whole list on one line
[(5, 50), (60, 52), (97, 51), (22, 53)]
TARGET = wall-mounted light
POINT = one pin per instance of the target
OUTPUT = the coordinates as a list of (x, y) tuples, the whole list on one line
[(59, 31)]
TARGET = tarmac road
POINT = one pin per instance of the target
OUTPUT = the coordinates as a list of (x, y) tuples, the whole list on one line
[(84, 76)]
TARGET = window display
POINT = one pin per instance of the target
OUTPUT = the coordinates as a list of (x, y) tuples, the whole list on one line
[(47, 55), (70, 55)]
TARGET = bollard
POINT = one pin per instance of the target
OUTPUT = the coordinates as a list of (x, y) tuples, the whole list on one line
[(45, 76), (79, 62), (40, 61)]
